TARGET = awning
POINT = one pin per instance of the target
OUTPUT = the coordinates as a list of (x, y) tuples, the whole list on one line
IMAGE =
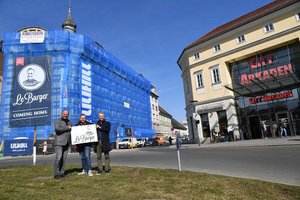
[(258, 87)]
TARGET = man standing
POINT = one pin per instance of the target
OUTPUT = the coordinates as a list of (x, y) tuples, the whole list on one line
[(62, 128), (85, 150), (103, 146)]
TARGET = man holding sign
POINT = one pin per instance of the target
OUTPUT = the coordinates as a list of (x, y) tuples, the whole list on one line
[(62, 128), (84, 150)]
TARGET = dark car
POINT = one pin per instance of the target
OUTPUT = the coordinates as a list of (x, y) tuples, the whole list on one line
[(151, 142)]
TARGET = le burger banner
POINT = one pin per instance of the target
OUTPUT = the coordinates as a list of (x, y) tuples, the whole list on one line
[(30, 103), (84, 134)]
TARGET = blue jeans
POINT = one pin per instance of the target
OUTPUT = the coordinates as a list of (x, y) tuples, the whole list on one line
[(86, 158), (283, 132)]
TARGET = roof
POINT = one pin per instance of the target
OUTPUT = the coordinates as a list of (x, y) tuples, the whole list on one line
[(163, 112), (252, 16), (177, 125)]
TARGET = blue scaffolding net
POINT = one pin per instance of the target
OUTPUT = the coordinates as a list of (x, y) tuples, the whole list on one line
[(69, 71)]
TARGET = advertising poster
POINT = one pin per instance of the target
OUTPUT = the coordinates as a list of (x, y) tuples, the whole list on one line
[(30, 103), (17, 147), (84, 134)]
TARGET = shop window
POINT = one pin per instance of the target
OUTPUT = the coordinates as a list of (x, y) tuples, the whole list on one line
[(269, 27), (222, 118), (240, 39), (205, 125)]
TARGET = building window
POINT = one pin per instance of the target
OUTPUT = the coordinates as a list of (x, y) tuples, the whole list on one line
[(269, 28), (217, 48), (298, 17), (196, 56), (240, 39), (215, 75), (199, 80)]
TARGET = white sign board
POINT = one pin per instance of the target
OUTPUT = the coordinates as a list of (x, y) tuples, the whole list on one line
[(84, 134), (32, 37)]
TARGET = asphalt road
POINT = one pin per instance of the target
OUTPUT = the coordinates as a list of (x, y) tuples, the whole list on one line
[(278, 164)]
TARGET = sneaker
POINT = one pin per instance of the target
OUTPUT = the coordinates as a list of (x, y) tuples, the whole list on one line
[(107, 172), (98, 172), (81, 173), (57, 177), (90, 173)]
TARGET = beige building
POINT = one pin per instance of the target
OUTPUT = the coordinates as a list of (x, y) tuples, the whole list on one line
[(245, 73), (165, 122), (154, 109)]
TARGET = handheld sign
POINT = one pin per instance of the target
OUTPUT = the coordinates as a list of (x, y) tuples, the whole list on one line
[(84, 134)]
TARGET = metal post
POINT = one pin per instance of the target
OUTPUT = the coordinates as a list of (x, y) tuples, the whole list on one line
[(178, 145), (178, 157), (34, 146)]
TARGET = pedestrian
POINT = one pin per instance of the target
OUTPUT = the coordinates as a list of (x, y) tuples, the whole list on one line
[(170, 140), (62, 143), (103, 144), (44, 147), (215, 136), (264, 130), (85, 150), (282, 129), (225, 131), (230, 130)]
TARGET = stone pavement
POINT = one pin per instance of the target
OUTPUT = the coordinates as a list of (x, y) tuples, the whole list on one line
[(293, 140)]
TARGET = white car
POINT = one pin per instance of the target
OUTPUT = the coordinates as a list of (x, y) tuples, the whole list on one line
[(140, 142), (127, 143)]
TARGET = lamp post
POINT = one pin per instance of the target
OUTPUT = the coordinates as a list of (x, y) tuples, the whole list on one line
[(197, 122)]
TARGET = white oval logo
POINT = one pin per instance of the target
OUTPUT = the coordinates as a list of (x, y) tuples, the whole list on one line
[(31, 77)]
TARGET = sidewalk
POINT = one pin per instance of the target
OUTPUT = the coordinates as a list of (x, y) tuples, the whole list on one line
[(293, 140)]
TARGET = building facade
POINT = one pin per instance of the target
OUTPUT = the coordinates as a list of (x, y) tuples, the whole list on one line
[(154, 109), (245, 74), (177, 127), (165, 122), (46, 72)]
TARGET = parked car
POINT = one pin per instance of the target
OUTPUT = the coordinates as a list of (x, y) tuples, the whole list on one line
[(151, 142), (141, 142), (160, 140), (127, 143)]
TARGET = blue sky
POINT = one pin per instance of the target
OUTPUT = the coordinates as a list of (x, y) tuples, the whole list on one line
[(147, 35)]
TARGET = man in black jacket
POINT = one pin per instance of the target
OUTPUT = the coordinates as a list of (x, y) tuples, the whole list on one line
[(103, 145), (85, 150)]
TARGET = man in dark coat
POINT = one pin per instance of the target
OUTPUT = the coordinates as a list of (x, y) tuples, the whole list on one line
[(62, 143), (103, 145), (85, 150)]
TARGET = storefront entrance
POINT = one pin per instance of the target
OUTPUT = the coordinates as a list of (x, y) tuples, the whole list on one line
[(254, 125), (205, 125)]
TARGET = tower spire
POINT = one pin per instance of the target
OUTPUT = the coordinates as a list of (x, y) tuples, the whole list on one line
[(69, 24)]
